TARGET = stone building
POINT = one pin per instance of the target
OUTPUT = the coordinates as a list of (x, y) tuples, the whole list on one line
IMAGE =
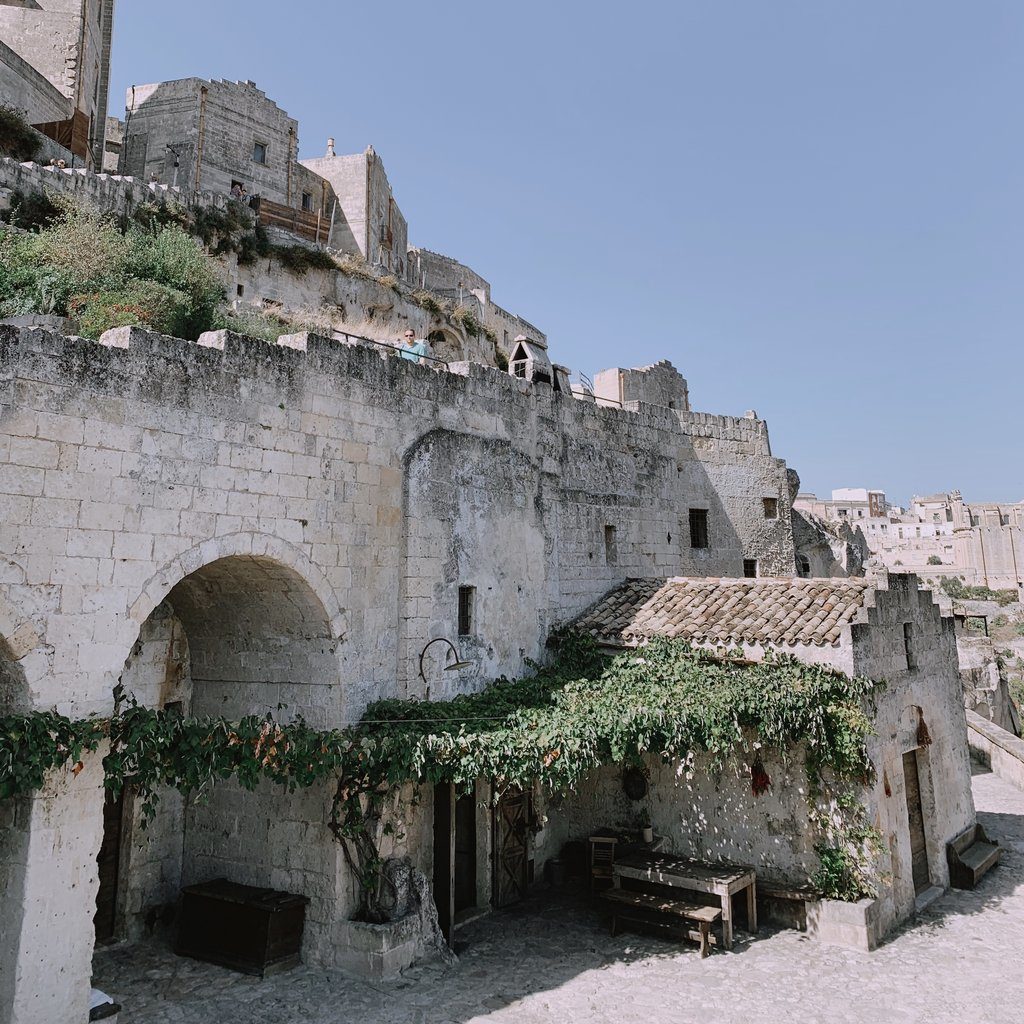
[(235, 525), (885, 629), (55, 67), (209, 136), (374, 226), (462, 285)]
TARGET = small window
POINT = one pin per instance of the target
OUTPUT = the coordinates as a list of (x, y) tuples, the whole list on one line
[(803, 566), (908, 644), (240, 290), (771, 508), (466, 595), (750, 568), (698, 528), (259, 152), (307, 201), (611, 552)]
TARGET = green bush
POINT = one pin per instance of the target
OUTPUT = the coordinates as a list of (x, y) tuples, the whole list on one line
[(297, 259), (934, 560), (83, 265), (32, 211), (17, 137), (138, 303)]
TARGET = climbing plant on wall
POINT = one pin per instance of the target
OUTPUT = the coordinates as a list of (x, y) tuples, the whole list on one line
[(552, 727)]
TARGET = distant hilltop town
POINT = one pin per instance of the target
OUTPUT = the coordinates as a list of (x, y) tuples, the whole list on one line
[(937, 536)]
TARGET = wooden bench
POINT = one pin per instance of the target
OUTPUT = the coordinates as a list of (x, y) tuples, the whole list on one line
[(784, 905), (970, 855), (646, 908)]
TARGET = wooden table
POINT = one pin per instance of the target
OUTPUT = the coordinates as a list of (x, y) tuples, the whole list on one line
[(720, 880)]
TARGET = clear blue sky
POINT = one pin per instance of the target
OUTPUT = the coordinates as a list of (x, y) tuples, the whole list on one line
[(812, 207)]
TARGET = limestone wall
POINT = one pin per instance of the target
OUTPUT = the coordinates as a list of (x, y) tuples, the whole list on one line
[(29, 91), (308, 511), (707, 814), (116, 194), (122, 462), (68, 43)]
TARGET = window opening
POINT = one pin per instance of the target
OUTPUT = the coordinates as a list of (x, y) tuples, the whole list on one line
[(698, 528), (610, 548), (259, 152), (466, 610), (771, 508), (908, 637), (750, 568)]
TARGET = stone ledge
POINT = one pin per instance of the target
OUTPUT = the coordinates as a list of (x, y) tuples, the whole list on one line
[(1000, 750)]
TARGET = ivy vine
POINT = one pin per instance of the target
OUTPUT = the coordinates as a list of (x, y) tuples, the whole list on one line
[(552, 727)]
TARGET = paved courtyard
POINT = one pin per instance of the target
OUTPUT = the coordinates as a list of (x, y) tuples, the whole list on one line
[(959, 962)]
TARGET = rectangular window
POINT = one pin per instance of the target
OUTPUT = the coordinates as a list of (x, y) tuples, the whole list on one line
[(698, 528), (908, 639), (611, 553), (259, 152), (750, 568), (307, 202), (466, 595), (771, 508)]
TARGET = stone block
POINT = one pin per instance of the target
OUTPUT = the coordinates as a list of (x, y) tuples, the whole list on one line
[(859, 925)]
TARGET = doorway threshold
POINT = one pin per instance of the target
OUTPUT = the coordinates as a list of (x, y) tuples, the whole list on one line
[(469, 915), (926, 897)]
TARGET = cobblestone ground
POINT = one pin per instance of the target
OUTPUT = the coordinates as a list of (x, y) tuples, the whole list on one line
[(960, 961)]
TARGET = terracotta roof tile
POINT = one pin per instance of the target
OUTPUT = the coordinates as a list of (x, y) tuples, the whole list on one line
[(767, 610)]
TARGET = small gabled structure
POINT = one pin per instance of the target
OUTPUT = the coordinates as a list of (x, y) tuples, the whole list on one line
[(882, 628)]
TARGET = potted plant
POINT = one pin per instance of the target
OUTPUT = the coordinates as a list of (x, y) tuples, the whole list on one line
[(646, 832)]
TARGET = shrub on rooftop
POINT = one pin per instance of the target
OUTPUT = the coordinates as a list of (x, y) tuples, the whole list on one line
[(17, 137)]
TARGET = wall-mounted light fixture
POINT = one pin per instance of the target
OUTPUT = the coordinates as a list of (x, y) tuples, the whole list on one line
[(453, 660)]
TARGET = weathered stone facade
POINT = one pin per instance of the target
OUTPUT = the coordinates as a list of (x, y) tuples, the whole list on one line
[(65, 43), (206, 135), (899, 638), (308, 510), (369, 221)]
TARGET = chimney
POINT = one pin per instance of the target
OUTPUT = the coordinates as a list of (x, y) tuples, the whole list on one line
[(330, 147)]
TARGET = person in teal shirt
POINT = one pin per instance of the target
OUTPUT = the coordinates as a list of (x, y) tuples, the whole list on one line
[(414, 348)]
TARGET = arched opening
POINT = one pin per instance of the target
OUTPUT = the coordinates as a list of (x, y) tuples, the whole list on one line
[(446, 346), (13, 687), (243, 635)]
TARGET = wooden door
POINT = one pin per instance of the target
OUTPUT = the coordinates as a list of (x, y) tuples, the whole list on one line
[(444, 857), (915, 814), (511, 847), (465, 852), (109, 863)]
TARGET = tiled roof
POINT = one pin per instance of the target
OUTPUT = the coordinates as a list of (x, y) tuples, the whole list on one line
[(727, 611)]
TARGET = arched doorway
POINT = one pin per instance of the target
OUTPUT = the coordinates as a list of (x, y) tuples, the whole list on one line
[(242, 635)]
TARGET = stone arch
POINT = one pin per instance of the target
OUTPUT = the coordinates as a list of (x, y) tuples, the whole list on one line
[(446, 344), (240, 625), (257, 546), (18, 638), (472, 520)]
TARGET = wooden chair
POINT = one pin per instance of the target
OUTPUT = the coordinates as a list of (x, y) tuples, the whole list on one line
[(602, 859)]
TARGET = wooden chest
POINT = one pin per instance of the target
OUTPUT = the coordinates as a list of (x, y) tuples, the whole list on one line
[(253, 930)]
